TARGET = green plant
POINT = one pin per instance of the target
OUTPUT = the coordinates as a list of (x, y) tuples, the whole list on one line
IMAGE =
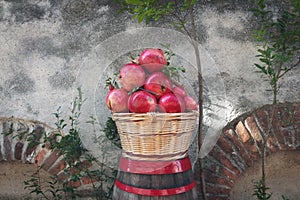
[(65, 139), (279, 40), (278, 54), (48, 189), (284, 198), (260, 190), (111, 132), (180, 14)]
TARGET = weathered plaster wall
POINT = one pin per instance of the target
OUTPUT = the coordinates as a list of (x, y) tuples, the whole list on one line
[(49, 48)]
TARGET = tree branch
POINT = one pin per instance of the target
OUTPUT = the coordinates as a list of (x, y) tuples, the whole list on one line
[(289, 69)]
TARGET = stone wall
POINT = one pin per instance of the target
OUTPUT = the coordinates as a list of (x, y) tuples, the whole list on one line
[(50, 47)]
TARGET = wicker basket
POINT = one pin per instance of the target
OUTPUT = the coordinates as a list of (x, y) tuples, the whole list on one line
[(155, 136)]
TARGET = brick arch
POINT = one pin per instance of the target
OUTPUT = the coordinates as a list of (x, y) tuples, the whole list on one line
[(15, 149), (238, 147)]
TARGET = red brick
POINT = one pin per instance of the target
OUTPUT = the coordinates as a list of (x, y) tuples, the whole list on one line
[(274, 117), (215, 179), (85, 180), (252, 150), (239, 147), (74, 184), (38, 131), (29, 150), (52, 136), (231, 151), (229, 165), (280, 138), (50, 160), (221, 157), (253, 128), (40, 157), (289, 138), (18, 150), (263, 119), (228, 174), (271, 144), (80, 165), (285, 114), (224, 145), (74, 170), (210, 165), (278, 133), (57, 167), (85, 164), (251, 147), (62, 176), (242, 132)]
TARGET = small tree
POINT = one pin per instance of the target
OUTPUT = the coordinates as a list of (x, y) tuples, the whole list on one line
[(279, 38)]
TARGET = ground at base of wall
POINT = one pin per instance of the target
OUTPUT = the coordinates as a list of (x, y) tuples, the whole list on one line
[(282, 177), (12, 177)]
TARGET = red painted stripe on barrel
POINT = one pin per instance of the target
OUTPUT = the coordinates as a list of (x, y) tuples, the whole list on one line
[(155, 167), (155, 192)]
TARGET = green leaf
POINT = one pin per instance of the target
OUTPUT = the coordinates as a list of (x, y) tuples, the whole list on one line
[(281, 23), (140, 18), (265, 60), (134, 2), (271, 71), (263, 52), (262, 69)]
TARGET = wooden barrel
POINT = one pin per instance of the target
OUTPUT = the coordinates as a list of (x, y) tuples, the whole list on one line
[(163, 180)]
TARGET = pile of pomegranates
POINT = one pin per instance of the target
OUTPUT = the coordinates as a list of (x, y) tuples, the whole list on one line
[(146, 88)]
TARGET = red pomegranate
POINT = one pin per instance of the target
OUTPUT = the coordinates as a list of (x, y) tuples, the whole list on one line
[(153, 60), (171, 103), (116, 100), (131, 75), (158, 83), (142, 102), (180, 91), (190, 103)]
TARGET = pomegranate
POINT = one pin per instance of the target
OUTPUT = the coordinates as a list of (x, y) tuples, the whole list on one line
[(171, 103), (158, 83), (116, 100), (131, 75), (142, 102), (190, 103), (153, 60), (180, 91)]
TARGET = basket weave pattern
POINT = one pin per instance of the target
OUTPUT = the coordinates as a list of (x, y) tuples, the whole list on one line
[(155, 135)]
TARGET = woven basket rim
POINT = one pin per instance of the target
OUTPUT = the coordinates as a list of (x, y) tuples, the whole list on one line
[(193, 113)]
